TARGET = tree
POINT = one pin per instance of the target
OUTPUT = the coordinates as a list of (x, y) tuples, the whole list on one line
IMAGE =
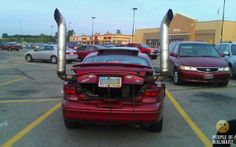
[(4, 35), (118, 31), (69, 33)]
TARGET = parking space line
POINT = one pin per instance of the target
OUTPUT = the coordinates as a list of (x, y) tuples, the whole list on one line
[(187, 118), (32, 125), (29, 101), (233, 84), (12, 81)]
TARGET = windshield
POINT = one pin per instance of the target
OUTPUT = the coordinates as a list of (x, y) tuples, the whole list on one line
[(233, 50), (117, 59), (144, 45), (197, 50)]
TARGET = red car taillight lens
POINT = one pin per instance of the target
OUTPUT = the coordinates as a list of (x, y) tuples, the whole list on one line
[(152, 94), (70, 92)]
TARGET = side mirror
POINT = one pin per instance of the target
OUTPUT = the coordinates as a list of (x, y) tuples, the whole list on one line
[(226, 53), (173, 54)]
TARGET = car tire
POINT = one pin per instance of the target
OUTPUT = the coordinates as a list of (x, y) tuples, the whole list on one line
[(71, 124), (157, 127), (29, 58), (176, 79), (54, 59), (223, 83)]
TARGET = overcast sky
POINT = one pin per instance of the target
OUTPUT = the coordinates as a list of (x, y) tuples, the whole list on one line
[(36, 16)]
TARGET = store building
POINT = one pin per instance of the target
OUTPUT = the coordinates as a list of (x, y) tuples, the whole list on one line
[(107, 38), (186, 28)]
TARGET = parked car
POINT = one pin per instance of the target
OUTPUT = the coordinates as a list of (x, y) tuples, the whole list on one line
[(197, 62), (84, 50), (49, 53), (9, 46), (229, 52), (151, 52), (118, 80)]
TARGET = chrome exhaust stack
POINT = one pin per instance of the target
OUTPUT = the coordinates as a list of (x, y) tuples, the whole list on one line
[(164, 41), (61, 44)]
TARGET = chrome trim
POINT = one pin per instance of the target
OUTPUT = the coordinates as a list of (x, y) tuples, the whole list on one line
[(164, 41), (61, 43)]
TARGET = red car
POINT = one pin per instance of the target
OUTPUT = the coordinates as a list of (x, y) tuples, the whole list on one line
[(114, 85), (84, 50), (151, 52), (10, 46), (197, 62)]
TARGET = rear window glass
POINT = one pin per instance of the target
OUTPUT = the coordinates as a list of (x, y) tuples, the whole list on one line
[(233, 49), (197, 50), (117, 59)]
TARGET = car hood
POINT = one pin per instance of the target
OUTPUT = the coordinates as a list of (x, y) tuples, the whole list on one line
[(202, 61)]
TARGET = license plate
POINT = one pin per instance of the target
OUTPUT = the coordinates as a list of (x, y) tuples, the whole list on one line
[(112, 82), (208, 76)]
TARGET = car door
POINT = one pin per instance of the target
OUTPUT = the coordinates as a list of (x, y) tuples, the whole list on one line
[(172, 59), (228, 50), (37, 53), (47, 53)]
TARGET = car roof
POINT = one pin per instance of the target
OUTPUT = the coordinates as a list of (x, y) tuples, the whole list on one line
[(194, 42)]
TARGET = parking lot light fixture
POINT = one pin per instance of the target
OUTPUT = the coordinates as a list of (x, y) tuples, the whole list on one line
[(92, 28), (134, 9)]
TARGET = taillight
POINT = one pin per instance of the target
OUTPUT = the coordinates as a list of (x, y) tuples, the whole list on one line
[(71, 53), (152, 94), (70, 91)]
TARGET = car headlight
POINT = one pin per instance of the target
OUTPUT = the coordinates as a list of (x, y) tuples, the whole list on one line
[(188, 68), (223, 69)]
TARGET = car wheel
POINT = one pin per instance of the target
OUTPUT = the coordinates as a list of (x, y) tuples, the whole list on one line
[(176, 79), (54, 60), (223, 83), (71, 124), (28, 58), (157, 127)]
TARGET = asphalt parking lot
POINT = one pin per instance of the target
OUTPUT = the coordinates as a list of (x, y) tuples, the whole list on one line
[(31, 114)]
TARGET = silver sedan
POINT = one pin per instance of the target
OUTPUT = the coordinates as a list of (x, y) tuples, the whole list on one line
[(49, 53)]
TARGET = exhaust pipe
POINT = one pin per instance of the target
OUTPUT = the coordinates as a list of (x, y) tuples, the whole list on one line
[(61, 44), (164, 40)]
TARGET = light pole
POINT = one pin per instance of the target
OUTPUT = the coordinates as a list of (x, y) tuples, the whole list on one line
[(222, 25), (92, 27), (51, 29), (134, 9)]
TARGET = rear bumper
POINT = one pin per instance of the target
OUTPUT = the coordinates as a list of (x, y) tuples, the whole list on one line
[(195, 76), (72, 57), (149, 113)]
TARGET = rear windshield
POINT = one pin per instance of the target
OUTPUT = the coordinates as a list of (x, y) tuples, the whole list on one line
[(117, 59), (233, 49), (197, 50)]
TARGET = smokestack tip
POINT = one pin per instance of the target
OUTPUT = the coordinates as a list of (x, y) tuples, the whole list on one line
[(169, 15), (57, 16)]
